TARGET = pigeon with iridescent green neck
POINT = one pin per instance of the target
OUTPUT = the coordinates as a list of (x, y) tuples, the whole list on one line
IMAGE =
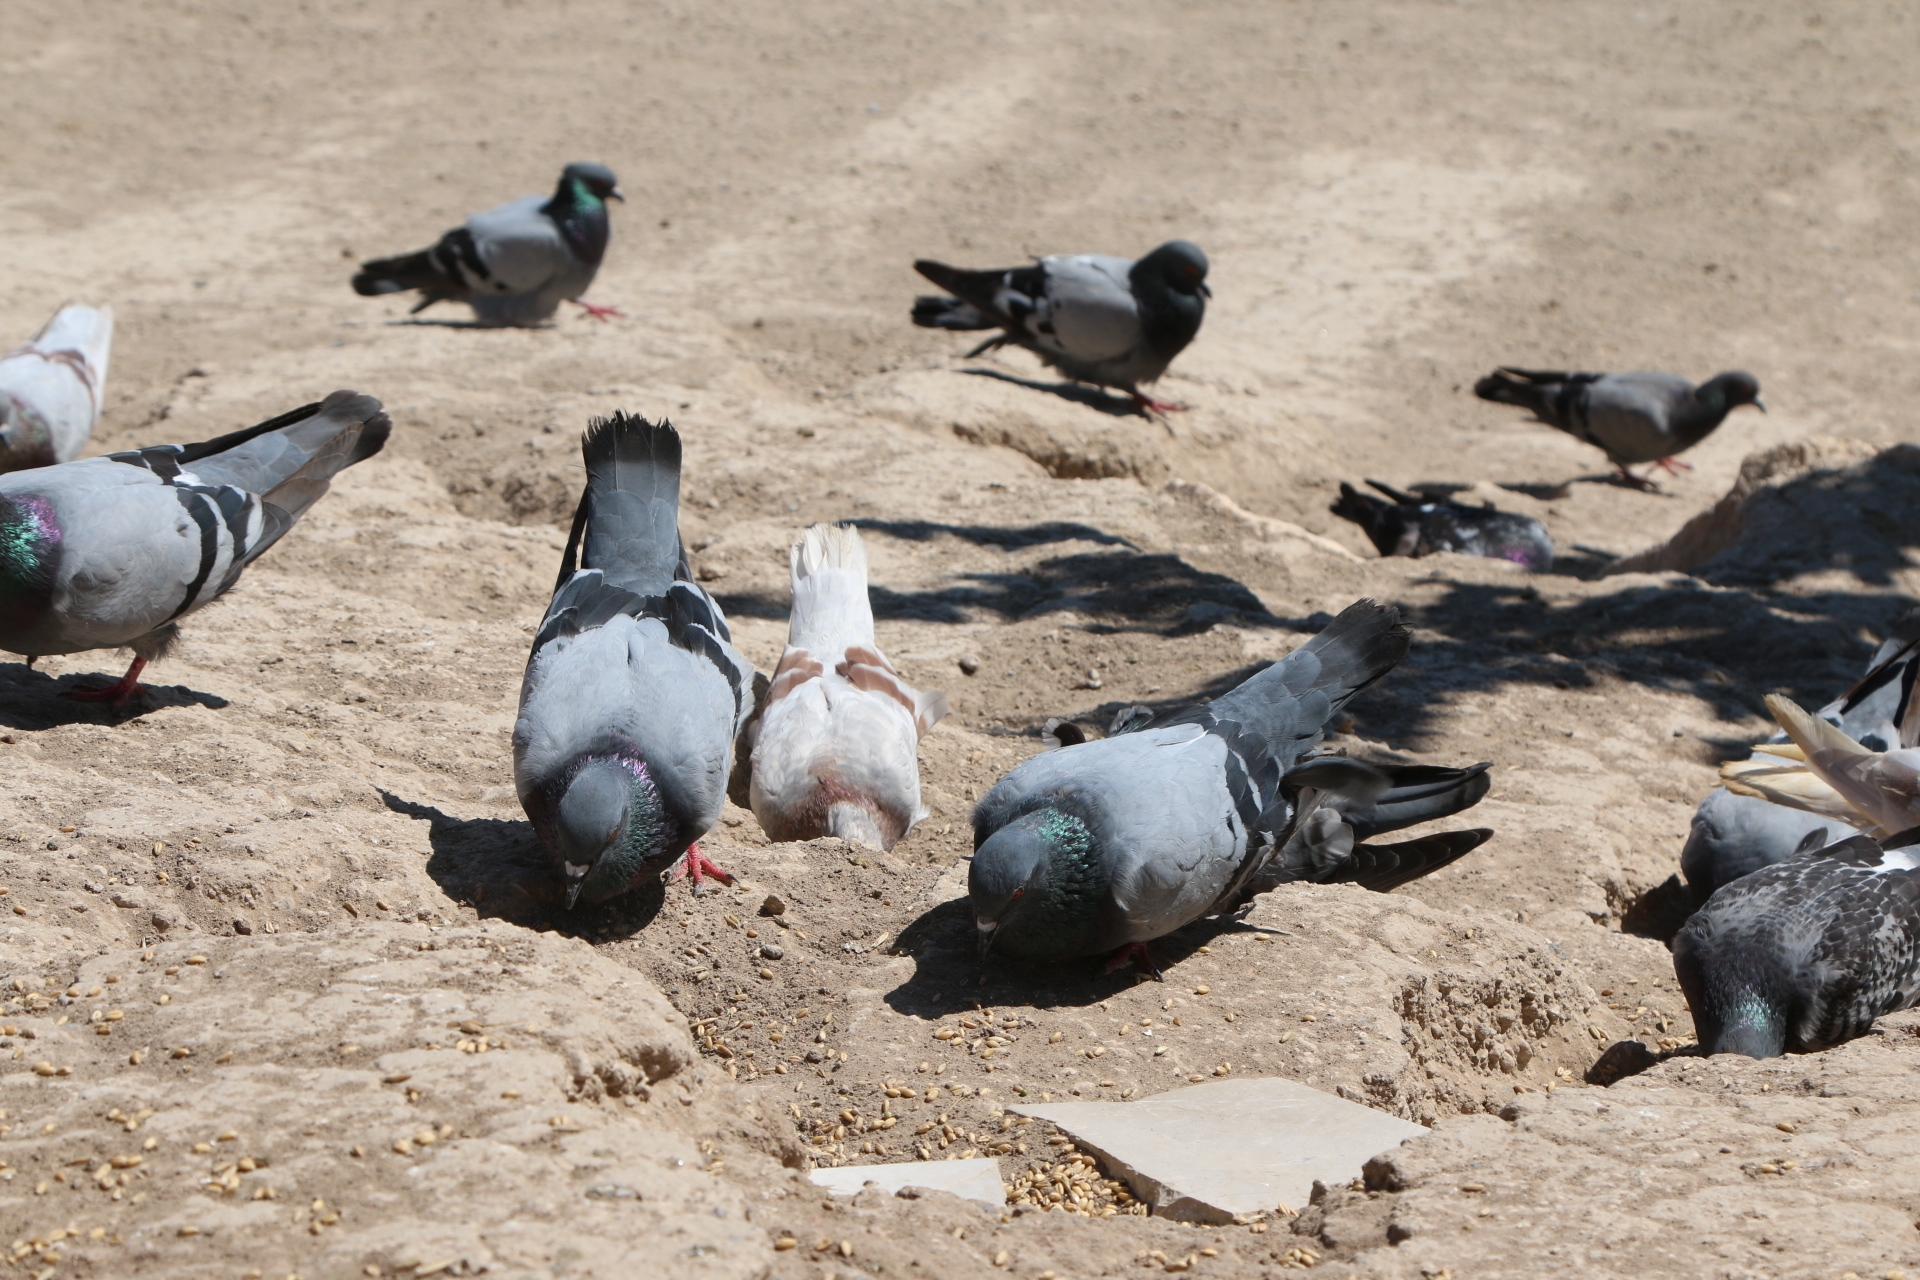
[(634, 695), (1101, 847), (516, 264), (109, 553)]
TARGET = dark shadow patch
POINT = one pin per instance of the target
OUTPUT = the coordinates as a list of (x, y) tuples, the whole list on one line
[(33, 700), (1659, 912), (986, 535), (1076, 392), (1623, 1058)]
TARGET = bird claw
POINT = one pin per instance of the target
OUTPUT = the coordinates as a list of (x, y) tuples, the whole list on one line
[(1633, 481), (598, 312), (1673, 466), (697, 865), (1158, 408), (1136, 952), (118, 692)]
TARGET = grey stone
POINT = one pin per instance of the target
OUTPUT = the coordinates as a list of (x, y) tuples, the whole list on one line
[(1211, 1151), (969, 1179)]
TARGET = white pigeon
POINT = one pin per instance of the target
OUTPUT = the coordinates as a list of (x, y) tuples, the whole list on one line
[(52, 387), (835, 750)]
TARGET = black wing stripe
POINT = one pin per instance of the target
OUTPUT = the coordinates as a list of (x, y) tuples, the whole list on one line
[(203, 515)]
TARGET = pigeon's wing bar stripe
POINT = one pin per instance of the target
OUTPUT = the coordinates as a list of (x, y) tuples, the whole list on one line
[(203, 514)]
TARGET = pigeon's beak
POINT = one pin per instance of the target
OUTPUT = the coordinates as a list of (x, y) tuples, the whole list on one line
[(576, 877), (618, 194), (1760, 404), (986, 929), (1204, 291)]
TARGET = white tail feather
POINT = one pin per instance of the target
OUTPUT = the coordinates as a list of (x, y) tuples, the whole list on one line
[(1882, 785), (830, 609)]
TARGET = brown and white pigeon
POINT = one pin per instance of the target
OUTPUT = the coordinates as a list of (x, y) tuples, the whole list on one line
[(51, 388), (835, 750)]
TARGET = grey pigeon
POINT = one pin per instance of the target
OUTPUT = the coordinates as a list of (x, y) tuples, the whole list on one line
[(836, 743), (51, 388), (1413, 525), (1108, 321), (112, 552), (1805, 954), (1735, 834), (516, 264), (1104, 846), (1631, 417), (633, 695)]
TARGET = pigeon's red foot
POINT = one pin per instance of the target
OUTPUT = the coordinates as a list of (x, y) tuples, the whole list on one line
[(118, 692), (1634, 481), (598, 312), (1136, 952), (697, 865), (1150, 405), (1673, 466)]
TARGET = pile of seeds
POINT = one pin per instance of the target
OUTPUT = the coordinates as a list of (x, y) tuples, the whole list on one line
[(1074, 1184)]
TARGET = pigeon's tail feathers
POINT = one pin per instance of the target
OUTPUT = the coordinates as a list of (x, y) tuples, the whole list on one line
[(348, 429), (855, 823), (1385, 867), (1417, 793), (1398, 495), (937, 311), (629, 523), (1788, 782), (403, 273), (1530, 389), (1292, 700), (1883, 786), (831, 613), (85, 331)]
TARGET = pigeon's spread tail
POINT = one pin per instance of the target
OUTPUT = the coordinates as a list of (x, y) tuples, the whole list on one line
[(1532, 389), (831, 613), (1414, 794), (1289, 703), (422, 271), (628, 522), (1385, 867), (936, 311), (972, 304)]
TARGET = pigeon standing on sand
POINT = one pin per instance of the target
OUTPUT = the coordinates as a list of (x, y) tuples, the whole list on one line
[(1413, 525), (516, 264), (835, 747), (1631, 417), (633, 696), (1737, 829), (1107, 321), (51, 388), (1101, 847), (112, 552), (1805, 954)]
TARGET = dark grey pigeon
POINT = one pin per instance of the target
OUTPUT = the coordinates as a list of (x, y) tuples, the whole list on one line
[(633, 696), (1413, 525), (1805, 954), (1108, 321), (1631, 417), (112, 552), (1101, 847), (1735, 835), (516, 264)]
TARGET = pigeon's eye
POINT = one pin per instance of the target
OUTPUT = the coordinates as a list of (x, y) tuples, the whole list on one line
[(1016, 894)]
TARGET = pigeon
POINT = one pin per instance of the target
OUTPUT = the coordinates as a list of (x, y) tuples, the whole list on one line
[(634, 695), (516, 264), (1414, 525), (1805, 954), (112, 552), (1107, 321), (1738, 828), (835, 743), (1632, 417), (1102, 847), (51, 388)]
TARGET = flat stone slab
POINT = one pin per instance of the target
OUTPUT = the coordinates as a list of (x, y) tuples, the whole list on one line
[(971, 1179), (1211, 1151)]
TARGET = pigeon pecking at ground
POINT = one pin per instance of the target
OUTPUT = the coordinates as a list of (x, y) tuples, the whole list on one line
[(1738, 828), (1414, 525), (1631, 417), (516, 264), (634, 695), (1805, 954), (1101, 847), (51, 388), (1107, 321), (112, 552), (835, 745)]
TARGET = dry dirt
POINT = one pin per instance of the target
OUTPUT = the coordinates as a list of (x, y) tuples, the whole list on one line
[(316, 798)]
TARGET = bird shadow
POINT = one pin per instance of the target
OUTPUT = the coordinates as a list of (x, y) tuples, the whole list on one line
[(497, 867), (989, 535), (1078, 393), (949, 972), (437, 322), (34, 700)]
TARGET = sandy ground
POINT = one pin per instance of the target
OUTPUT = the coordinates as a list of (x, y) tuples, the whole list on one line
[(1395, 198)]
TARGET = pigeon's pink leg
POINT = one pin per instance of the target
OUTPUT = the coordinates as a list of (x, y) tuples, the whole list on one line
[(1138, 953), (599, 312), (696, 864), (1151, 405), (1673, 466), (1634, 480), (116, 693)]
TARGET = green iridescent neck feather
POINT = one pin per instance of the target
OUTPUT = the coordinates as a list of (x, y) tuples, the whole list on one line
[(1061, 916), (29, 540)]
